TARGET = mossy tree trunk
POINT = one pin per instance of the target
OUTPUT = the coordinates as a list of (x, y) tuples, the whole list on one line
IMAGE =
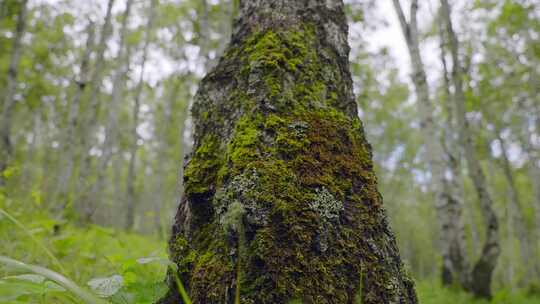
[(281, 199)]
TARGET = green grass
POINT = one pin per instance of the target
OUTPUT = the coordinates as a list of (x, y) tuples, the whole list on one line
[(102, 254), (83, 254), (433, 293)]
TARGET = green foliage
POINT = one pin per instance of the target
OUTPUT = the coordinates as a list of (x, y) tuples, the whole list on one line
[(124, 268), (433, 293)]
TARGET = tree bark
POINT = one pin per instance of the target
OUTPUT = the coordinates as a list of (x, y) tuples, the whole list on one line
[(482, 272), (455, 267), (8, 100), (132, 173), (281, 199)]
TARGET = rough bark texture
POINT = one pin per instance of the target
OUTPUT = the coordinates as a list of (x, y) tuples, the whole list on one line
[(8, 98), (281, 199), (482, 272), (455, 267)]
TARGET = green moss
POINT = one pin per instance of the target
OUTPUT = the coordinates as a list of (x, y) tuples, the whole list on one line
[(243, 145), (300, 172), (200, 174)]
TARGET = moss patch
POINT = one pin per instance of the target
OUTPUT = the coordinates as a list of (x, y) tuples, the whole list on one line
[(300, 170)]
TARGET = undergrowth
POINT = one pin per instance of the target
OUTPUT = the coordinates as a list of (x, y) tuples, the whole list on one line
[(116, 267)]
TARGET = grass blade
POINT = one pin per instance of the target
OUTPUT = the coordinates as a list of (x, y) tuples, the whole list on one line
[(181, 289), (61, 280), (23, 228)]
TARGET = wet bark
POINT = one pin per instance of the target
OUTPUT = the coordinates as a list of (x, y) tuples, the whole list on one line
[(281, 199), (482, 272)]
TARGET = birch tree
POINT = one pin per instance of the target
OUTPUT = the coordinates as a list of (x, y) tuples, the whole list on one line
[(90, 118), (73, 120), (9, 98), (455, 264), (111, 127), (482, 271), (281, 199), (516, 217), (132, 173)]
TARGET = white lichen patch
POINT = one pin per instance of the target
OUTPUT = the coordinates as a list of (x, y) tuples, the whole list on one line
[(326, 205), (241, 192), (232, 219)]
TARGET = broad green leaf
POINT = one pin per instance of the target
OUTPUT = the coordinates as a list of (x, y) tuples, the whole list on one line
[(106, 287)]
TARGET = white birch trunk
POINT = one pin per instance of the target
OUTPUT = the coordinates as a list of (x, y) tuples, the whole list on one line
[(132, 169), (455, 266), (111, 128), (86, 129), (69, 141), (516, 214), (482, 273)]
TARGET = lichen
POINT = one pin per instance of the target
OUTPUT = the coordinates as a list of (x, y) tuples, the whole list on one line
[(325, 205), (287, 173)]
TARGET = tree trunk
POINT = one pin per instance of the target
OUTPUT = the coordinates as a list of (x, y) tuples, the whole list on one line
[(281, 199), (90, 119), (2, 9), (454, 181), (131, 178), (449, 209), (8, 100), (111, 127), (69, 141), (516, 214), (482, 272), (534, 156)]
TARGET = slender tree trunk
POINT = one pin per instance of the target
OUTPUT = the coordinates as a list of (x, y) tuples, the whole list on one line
[(86, 129), (482, 272), (281, 199), (534, 156), (455, 265), (2, 9), (516, 214), (132, 170), (69, 142), (169, 121), (111, 127), (533, 166), (8, 98)]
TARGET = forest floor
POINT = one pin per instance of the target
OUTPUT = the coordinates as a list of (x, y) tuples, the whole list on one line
[(125, 268)]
